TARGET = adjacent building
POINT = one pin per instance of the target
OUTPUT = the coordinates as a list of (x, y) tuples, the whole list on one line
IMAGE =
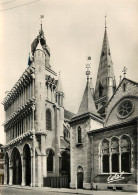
[(104, 131)]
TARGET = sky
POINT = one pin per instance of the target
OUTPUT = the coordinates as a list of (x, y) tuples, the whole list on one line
[(74, 29)]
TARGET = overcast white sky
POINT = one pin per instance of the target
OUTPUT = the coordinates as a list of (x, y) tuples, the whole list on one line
[(73, 29)]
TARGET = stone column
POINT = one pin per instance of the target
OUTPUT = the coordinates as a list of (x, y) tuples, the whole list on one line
[(40, 179), (43, 151), (57, 141), (31, 168), (110, 158), (10, 175), (23, 171), (5, 173), (120, 168), (45, 174)]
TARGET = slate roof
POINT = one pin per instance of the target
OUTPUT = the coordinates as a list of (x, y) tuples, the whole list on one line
[(68, 115), (87, 104), (63, 143), (105, 61)]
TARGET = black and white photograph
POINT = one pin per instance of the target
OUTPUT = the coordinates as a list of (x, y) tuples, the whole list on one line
[(68, 97)]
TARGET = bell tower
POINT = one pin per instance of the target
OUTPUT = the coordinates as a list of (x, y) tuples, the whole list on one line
[(105, 83)]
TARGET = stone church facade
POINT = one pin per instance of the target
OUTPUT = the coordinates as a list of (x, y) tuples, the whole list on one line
[(43, 140), (104, 131), (36, 124)]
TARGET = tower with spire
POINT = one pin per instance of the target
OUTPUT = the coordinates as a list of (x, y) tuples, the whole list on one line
[(38, 104), (105, 83), (86, 119)]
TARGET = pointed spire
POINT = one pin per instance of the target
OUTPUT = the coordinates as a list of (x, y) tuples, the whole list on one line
[(40, 41), (59, 86), (87, 104), (105, 66)]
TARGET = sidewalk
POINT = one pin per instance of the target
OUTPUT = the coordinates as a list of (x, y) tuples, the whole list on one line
[(86, 192), (70, 191)]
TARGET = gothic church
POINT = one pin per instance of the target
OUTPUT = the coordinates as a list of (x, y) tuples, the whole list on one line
[(46, 145), (104, 131), (36, 125)]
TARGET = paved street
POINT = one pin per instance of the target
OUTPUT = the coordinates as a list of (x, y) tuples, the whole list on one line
[(52, 191)]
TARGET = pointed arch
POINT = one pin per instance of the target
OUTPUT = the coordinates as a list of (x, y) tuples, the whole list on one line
[(50, 159), (27, 163), (80, 176), (17, 166), (115, 154), (105, 155), (125, 153)]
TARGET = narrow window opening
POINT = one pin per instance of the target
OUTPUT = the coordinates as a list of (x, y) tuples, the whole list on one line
[(79, 135), (48, 120)]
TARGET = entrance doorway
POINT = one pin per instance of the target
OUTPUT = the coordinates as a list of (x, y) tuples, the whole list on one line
[(80, 178), (17, 167), (27, 163)]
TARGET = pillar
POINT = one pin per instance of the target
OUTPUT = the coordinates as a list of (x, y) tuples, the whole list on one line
[(31, 168), (110, 158), (40, 179), (10, 175), (5, 173), (120, 168), (57, 141), (43, 151), (23, 171)]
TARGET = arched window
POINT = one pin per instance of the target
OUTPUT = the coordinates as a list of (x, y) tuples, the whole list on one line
[(125, 154), (105, 156), (48, 120), (50, 156), (79, 135), (115, 155)]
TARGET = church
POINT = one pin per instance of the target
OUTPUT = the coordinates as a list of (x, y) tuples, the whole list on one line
[(37, 149), (47, 145), (103, 134)]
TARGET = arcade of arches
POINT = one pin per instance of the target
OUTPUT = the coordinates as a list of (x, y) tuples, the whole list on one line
[(18, 167)]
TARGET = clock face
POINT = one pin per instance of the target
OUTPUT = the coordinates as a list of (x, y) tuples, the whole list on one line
[(125, 108)]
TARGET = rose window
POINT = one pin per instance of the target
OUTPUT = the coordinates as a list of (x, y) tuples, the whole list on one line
[(125, 108)]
